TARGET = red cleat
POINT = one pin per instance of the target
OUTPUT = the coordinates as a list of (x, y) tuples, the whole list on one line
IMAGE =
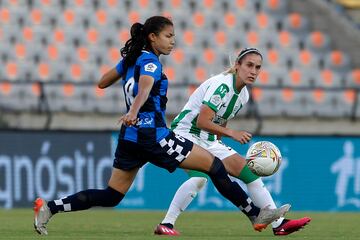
[(164, 230), (289, 226)]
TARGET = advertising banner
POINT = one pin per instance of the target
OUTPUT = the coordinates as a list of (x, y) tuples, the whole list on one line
[(316, 174), (51, 165)]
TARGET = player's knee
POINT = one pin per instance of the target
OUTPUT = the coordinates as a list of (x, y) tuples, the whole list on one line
[(216, 166)]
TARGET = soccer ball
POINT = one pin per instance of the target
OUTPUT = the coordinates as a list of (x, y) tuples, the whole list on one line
[(263, 158)]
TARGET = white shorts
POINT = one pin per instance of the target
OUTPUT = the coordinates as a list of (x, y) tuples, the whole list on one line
[(216, 148)]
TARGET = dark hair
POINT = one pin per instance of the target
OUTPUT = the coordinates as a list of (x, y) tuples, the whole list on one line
[(246, 51), (139, 38)]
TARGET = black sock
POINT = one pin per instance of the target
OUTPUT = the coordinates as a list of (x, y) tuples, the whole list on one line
[(231, 190), (86, 199)]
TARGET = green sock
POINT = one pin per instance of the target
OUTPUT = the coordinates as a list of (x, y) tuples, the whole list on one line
[(247, 176)]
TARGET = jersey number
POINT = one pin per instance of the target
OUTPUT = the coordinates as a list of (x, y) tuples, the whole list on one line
[(128, 89)]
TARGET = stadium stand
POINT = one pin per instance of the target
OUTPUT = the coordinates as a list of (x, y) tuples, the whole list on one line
[(67, 45)]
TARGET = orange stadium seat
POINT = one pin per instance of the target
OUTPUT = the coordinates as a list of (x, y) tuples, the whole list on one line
[(200, 74), (328, 78), (92, 36), (11, 71), (178, 98), (123, 35), (276, 8), (318, 42), (36, 89), (274, 58), (305, 59), (338, 61), (221, 39), (318, 95), (268, 101), (5, 16), (101, 18), (68, 89), (297, 77), (178, 56), (230, 20), (5, 88), (287, 95), (296, 23), (263, 22), (133, 17), (52, 52), (114, 55), (199, 20), (76, 72), (170, 73), (284, 40), (353, 78), (44, 72), (335, 104), (242, 5), (20, 51), (298, 104)]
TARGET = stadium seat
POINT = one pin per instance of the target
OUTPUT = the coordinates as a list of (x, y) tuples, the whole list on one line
[(338, 61), (296, 24), (305, 59), (276, 8), (262, 22), (109, 100), (353, 78), (327, 103), (17, 97), (268, 101), (296, 103), (176, 100), (283, 40), (5, 91), (298, 77), (267, 77), (329, 79), (274, 58), (15, 71), (317, 42), (242, 6)]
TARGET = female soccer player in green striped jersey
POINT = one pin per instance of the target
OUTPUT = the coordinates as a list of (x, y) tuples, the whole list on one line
[(203, 121)]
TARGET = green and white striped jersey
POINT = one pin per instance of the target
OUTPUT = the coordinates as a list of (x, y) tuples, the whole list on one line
[(220, 94)]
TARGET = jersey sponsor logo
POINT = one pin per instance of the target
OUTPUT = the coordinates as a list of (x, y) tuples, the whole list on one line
[(145, 121), (215, 99), (150, 67)]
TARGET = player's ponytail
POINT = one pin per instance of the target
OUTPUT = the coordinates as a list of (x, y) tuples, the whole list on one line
[(132, 49), (139, 38)]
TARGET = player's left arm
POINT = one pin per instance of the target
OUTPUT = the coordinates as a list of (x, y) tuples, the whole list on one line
[(146, 83), (205, 122), (224, 126)]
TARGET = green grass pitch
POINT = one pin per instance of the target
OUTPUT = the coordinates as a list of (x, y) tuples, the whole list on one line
[(112, 224)]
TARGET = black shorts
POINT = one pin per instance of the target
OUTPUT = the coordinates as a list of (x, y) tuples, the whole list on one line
[(168, 153)]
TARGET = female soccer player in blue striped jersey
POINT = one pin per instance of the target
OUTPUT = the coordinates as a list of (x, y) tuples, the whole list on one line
[(144, 136), (203, 118)]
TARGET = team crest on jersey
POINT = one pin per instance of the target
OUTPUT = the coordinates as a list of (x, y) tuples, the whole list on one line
[(150, 67), (215, 100)]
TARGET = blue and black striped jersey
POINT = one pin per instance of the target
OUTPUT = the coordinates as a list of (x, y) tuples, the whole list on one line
[(151, 127)]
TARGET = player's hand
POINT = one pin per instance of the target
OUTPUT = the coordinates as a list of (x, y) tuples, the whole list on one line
[(241, 136), (129, 119)]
